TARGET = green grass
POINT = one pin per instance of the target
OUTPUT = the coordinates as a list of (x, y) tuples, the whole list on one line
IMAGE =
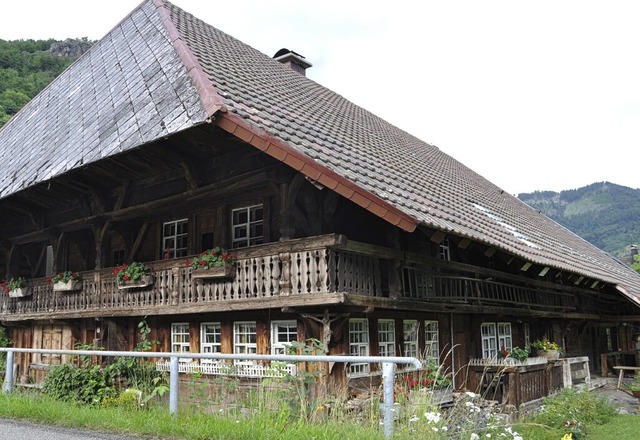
[(157, 422), (620, 427), (582, 413)]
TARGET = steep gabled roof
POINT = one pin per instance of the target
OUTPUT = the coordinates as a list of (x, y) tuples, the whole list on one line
[(161, 70)]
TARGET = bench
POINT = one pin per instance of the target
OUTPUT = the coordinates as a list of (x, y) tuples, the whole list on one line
[(622, 369)]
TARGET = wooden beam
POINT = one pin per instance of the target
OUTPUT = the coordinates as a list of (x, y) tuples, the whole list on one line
[(220, 190), (138, 241)]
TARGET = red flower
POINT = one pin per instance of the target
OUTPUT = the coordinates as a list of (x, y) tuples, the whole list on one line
[(187, 263)]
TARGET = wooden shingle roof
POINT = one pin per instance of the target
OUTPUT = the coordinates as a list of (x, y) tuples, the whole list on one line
[(162, 70)]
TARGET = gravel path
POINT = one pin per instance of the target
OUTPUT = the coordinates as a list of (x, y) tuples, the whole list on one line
[(24, 430)]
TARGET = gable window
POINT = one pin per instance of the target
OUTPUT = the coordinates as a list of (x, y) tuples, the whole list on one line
[(180, 339), (283, 333), (210, 339), (386, 337), (175, 238), (410, 330), (358, 345), (494, 336), (431, 341), (247, 226), (244, 339)]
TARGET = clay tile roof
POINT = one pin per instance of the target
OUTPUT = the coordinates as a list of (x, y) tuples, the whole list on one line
[(162, 70)]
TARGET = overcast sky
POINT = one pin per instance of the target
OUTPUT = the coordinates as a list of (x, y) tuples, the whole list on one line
[(538, 95)]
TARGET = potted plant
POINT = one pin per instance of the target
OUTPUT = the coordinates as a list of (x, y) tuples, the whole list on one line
[(15, 287), (516, 354), (546, 348), (213, 263), (66, 281), (133, 275)]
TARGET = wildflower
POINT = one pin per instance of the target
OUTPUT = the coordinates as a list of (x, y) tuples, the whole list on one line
[(567, 437), (470, 394), (432, 417), (434, 429), (474, 436), (413, 418)]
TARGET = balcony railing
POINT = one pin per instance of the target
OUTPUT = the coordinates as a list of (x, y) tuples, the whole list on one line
[(321, 269), (298, 267)]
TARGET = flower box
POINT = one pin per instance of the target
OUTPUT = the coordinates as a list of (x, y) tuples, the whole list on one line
[(551, 355), (225, 271), (68, 286), (145, 281), (20, 292)]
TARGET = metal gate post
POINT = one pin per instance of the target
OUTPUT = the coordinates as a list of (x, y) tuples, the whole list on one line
[(173, 386), (388, 375), (8, 375)]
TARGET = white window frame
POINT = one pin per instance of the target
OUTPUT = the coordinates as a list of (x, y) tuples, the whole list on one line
[(488, 333), (359, 345), (175, 237), (249, 238), (432, 341), (245, 340), (410, 329), (210, 330), (290, 334), (494, 337), (504, 335), (386, 337), (180, 339)]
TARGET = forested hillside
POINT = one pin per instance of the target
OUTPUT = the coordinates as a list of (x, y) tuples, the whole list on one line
[(28, 66), (605, 214)]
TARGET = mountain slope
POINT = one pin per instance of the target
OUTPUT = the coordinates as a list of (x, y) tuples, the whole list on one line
[(605, 214)]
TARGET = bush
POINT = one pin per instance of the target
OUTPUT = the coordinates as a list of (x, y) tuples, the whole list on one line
[(573, 411)]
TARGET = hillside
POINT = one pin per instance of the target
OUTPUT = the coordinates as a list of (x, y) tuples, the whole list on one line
[(28, 66), (605, 214)]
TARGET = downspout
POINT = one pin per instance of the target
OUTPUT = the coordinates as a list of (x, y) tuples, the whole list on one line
[(453, 357)]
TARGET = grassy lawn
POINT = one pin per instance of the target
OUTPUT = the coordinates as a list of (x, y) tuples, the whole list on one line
[(584, 414), (620, 427)]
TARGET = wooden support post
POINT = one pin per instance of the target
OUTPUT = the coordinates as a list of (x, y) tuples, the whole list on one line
[(285, 275)]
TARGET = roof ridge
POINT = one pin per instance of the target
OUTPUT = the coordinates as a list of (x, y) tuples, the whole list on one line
[(211, 100)]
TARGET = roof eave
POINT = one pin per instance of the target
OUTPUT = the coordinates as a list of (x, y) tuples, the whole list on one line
[(282, 151)]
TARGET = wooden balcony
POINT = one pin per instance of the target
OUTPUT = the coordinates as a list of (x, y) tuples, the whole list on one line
[(322, 270)]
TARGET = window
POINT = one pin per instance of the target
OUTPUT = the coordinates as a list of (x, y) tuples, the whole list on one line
[(175, 239), (444, 250), (180, 339), (386, 337), (210, 339), (283, 333), (247, 226), (410, 330), (358, 345), (431, 341), (495, 336), (118, 257), (244, 339), (504, 335)]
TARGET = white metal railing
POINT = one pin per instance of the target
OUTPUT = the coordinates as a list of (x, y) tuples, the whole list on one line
[(239, 370), (388, 369)]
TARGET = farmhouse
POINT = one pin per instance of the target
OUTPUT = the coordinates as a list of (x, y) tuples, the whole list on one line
[(169, 138)]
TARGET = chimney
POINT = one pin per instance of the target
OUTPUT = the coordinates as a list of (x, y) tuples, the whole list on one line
[(295, 61)]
